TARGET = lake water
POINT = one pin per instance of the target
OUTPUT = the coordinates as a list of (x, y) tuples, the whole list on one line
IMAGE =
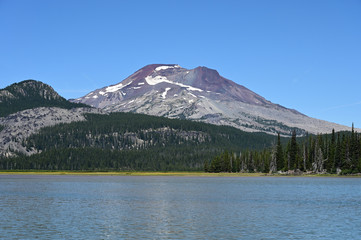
[(133, 207)]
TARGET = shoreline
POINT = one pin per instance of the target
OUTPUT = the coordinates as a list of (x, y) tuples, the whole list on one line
[(170, 173), (133, 173)]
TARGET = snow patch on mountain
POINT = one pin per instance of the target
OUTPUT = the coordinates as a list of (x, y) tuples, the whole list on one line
[(160, 79), (166, 67), (164, 94), (116, 87), (156, 80), (201, 94)]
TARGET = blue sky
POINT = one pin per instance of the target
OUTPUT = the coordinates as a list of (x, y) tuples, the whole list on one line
[(302, 54)]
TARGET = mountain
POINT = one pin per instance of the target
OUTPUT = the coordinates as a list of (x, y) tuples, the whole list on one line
[(28, 106), (128, 141), (54, 134), (49, 123), (201, 94), (17, 127), (30, 94)]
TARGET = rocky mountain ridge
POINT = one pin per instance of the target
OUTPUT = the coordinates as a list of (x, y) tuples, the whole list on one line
[(201, 94), (31, 94), (29, 88), (28, 106), (19, 126)]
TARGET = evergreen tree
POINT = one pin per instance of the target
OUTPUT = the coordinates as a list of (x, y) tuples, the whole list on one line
[(206, 166), (304, 157), (226, 166), (293, 152), (354, 150), (238, 164), (345, 153), (338, 154), (331, 163), (273, 162), (318, 164), (279, 154)]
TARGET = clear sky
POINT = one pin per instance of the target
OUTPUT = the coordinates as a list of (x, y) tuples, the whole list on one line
[(302, 54)]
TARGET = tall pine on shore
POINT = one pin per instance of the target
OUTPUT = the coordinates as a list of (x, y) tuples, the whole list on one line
[(293, 152), (279, 154)]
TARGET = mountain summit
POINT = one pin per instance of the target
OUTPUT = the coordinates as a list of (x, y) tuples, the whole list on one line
[(155, 76), (30, 94), (201, 94)]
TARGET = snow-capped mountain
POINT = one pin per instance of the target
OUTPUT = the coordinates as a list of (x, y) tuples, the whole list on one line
[(201, 94)]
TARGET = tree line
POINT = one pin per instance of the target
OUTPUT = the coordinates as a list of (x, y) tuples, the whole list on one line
[(324, 153), (127, 141)]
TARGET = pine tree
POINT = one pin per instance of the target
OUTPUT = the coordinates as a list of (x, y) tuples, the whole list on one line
[(330, 165), (238, 164), (345, 153), (206, 166), (359, 153), (338, 155), (279, 154), (273, 162), (318, 164), (353, 150), (304, 157), (293, 152), (226, 162)]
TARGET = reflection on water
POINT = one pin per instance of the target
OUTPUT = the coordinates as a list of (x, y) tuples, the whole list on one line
[(128, 207)]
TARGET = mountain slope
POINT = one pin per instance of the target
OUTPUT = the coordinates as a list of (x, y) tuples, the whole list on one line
[(29, 106), (31, 94), (127, 141), (17, 127), (201, 94)]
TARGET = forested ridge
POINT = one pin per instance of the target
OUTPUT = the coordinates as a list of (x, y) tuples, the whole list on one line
[(128, 141), (325, 153), (30, 94)]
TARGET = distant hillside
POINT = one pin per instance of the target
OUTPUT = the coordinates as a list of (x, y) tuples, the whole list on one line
[(31, 94), (127, 141)]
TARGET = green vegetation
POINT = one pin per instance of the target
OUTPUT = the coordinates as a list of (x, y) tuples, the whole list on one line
[(137, 142), (31, 94), (118, 131), (328, 153), (131, 173), (246, 162), (127, 141)]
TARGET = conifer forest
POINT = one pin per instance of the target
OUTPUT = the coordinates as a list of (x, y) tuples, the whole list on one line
[(324, 153)]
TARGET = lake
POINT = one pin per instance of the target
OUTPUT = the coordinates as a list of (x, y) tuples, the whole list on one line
[(149, 207)]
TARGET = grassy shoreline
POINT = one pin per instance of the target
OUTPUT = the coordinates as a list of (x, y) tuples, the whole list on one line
[(170, 173), (132, 173)]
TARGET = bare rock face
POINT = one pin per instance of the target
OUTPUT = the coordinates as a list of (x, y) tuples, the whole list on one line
[(201, 94), (29, 88), (18, 126)]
